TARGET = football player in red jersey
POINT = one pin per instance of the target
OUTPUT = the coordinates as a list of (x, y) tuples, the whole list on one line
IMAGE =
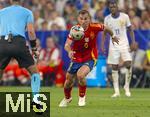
[(83, 54)]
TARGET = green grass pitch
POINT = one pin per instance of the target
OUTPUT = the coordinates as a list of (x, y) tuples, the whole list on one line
[(98, 103)]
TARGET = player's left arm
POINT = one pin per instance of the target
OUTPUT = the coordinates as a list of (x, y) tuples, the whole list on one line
[(134, 44), (113, 37)]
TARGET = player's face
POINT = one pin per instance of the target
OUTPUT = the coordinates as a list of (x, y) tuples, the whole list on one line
[(113, 8), (84, 20)]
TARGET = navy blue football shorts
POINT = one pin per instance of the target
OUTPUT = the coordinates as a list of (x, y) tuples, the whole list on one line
[(74, 66)]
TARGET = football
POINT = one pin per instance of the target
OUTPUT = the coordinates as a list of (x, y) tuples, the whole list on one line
[(77, 32)]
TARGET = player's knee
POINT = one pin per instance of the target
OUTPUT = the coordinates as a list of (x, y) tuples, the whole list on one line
[(80, 76), (128, 65), (115, 67)]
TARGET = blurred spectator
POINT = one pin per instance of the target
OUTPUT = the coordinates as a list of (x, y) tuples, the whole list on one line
[(38, 20), (86, 6), (44, 26), (145, 19), (60, 5), (99, 16), (71, 21), (146, 5), (100, 10), (48, 8), (136, 8), (56, 20), (13, 73), (146, 66), (66, 11), (137, 69), (126, 6), (50, 64), (70, 14), (135, 20)]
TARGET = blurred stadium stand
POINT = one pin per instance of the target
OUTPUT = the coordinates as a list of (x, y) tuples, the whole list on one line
[(53, 18)]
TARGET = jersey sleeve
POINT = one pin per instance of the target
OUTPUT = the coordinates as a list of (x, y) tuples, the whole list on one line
[(105, 22), (97, 26), (128, 22), (30, 18)]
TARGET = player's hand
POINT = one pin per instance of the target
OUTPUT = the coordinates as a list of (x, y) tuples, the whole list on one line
[(70, 54), (35, 53), (115, 40), (133, 46)]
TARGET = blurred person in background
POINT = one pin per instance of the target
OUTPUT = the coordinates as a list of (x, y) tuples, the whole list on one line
[(60, 6), (49, 7), (8, 77), (44, 26), (137, 67), (69, 13), (50, 64), (38, 20), (146, 5), (14, 75), (146, 66), (136, 8), (57, 20), (135, 20), (86, 6), (99, 16), (71, 21), (145, 20)]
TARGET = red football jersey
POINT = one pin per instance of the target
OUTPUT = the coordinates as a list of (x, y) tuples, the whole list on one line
[(86, 48)]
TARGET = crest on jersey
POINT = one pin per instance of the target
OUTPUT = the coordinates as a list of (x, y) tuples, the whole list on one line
[(92, 35), (122, 23), (86, 39)]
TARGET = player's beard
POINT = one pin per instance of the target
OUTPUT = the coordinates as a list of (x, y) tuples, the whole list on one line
[(85, 26)]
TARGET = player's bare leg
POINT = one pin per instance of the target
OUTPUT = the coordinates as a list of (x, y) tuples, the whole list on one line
[(67, 90), (128, 78), (115, 78), (81, 74)]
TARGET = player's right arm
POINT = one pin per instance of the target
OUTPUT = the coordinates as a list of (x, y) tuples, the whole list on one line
[(68, 48)]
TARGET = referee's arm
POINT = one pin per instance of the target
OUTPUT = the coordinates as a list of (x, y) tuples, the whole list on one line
[(31, 31)]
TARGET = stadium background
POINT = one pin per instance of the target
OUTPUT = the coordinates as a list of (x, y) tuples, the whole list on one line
[(54, 18)]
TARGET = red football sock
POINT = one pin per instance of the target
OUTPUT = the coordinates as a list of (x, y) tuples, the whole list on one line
[(67, 92), (82, 90)]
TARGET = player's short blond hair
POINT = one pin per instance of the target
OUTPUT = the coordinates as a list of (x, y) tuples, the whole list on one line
[(82, 12)]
